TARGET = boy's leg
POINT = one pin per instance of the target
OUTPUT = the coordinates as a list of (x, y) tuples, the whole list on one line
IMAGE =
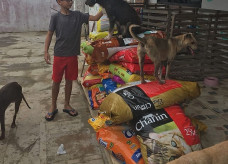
[(55, 93), (58, 69), (68, 90), (71, 73)]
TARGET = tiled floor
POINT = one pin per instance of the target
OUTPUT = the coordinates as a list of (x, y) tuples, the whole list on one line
[(211, 108)]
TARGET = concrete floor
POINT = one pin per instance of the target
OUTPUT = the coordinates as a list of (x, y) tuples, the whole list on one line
[(35, 141)]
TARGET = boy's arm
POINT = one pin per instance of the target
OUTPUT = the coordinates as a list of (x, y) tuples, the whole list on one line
[(46, 48), (96, 17)]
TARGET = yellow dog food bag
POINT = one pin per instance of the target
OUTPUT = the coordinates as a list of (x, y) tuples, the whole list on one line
[(120, 104), (98, 121)]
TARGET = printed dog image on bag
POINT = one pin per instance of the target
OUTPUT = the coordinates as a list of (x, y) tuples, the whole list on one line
[(165, 134), (168, 146)]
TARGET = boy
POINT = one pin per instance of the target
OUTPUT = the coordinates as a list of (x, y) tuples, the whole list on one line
[(67, 26)]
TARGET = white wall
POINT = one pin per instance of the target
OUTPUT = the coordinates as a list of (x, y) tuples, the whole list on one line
[(25, 15), (29, 15), (215, 4)]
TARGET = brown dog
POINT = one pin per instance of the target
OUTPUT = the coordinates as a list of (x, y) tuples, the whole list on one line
[(11, 92), (217, 154), (161, 50)]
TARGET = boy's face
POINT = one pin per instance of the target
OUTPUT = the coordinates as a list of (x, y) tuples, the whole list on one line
[(65, 3)]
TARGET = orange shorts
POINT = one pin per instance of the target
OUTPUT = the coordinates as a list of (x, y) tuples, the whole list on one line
[(67, 65)]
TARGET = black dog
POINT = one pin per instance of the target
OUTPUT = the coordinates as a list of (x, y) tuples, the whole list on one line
[(120, 13), (11, 92)]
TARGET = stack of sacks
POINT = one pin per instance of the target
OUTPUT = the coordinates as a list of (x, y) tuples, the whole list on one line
[(100, 50), (125, 103), (120, 140), (163, 130), (93, 82), (99, 83), (98, 79), (128, 58)]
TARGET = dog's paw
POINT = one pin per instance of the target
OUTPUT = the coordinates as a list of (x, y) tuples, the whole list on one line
[(162, 81), (2, 137), (143, 82), (13, 125)]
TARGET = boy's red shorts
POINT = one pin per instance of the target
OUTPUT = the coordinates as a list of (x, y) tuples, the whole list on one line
[(67, 65)]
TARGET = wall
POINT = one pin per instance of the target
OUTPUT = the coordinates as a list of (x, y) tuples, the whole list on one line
[(25, 15), (215, 4), (29, 15)]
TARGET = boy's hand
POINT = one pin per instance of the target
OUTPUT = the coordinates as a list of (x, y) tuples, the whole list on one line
[(47, 58)]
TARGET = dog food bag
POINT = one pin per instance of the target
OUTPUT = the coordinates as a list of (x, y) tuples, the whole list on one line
[(90, 98), (106, 75), (114, 50), (103, 68), (86, 47), (98, 95), (103, 23), (148, 69), (122, 143), (126, 75), (100, 52), (127, 102), (89, 79), (165, 134), (97, 35), (88, 58), (93, 69), (95, 86), (128, 55), (109, 85), (98, 121), (118, 80)]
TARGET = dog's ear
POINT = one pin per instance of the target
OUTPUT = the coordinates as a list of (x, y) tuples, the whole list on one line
[(187, 36)]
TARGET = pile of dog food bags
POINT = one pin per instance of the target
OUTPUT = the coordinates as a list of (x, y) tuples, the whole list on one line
[(138, 123)]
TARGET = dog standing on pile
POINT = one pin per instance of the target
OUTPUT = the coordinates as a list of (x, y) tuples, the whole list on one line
[(11, 92), (120, 13), (161, 50)]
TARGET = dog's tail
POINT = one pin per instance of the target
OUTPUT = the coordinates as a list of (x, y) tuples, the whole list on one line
[(23, 97), (141, 40)]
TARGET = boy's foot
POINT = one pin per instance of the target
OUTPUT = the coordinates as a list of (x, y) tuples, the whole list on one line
[(51, 115), (71, 112)]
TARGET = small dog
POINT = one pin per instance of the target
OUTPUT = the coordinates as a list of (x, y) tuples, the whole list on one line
[(161, 51), (11, 92), (120, 13)]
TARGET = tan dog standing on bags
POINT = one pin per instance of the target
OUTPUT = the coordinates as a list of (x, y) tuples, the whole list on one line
[(161, 50)]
